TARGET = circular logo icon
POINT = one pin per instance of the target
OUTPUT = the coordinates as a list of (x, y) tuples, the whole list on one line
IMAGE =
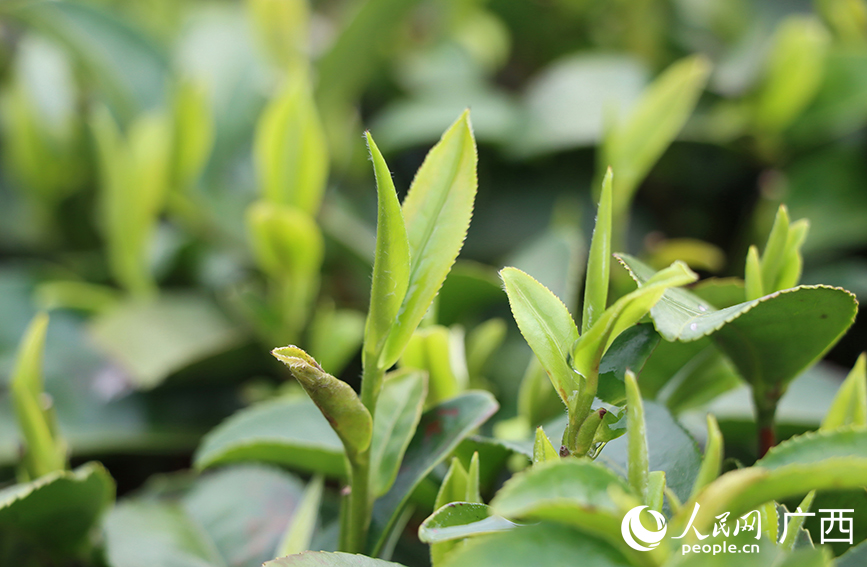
[(633, 532)]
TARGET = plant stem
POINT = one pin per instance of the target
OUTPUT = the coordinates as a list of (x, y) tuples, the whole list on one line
[(371, 384), (766, 408), (358, 506)]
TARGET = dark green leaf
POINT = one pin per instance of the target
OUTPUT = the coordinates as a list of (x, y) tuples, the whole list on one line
[(398, 411), (56, 512), (440, 430), (629, 351), (288, 431)]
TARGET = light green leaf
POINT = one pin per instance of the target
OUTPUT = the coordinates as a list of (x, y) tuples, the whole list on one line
[(437, 213), (398, 411), (626, 311), (768, 347), (546, 325), (775, 249), (639, 467), (286, 431), (56, 512), (482, 342), (794, 72), (713, 456), (391, 265), (850, 404), (134, 176), (543, 450), (44, 452), (459, 520), (321, 558), (290, 151), (639, 140), (152, 338), (599, 259), (790, 271), (577, 492), (439, 432), (336, 399), (797, 522), (285, 240), (432, 349), (300, 531), (454, 485), (753, 275), (193, 135), (557, 544)]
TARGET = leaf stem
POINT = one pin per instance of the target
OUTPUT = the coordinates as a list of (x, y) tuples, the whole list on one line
[(371, 382), (766, 408)]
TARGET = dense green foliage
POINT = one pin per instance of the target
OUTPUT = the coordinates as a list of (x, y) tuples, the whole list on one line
[(609, 256)]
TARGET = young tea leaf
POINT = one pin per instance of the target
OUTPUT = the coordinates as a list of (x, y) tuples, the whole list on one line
[(543, 450), (850, 404), (336, 399), (437, 213), (44, 452), (639, 140), (599, 259), (639, 467), (546, 325), (290, 150), (391, 263), (713, 455)]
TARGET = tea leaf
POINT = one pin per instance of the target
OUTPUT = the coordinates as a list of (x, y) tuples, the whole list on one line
[(779, 348), (713, 456), (639, 140), (290, 432), (285, 240), (543, 450), (337, 401), (398, 411), (320, 558), (638, 462), (656, 490), (626, 311), (290, 151), (794, 72), (850, 404), (437, 213), (458, 520), (56, 511), (391, 263), (432, 349), (797, 522), (546, 325), (576, 492), (753, 275), (775, 249), (557, 544), (828, 460), (152, 338), (304, 517), (193, 134), (599, 259), (44, 452), (440, 430), (454, 485), (629, 351)]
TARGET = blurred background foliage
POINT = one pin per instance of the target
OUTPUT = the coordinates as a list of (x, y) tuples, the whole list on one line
[(185, 186)]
